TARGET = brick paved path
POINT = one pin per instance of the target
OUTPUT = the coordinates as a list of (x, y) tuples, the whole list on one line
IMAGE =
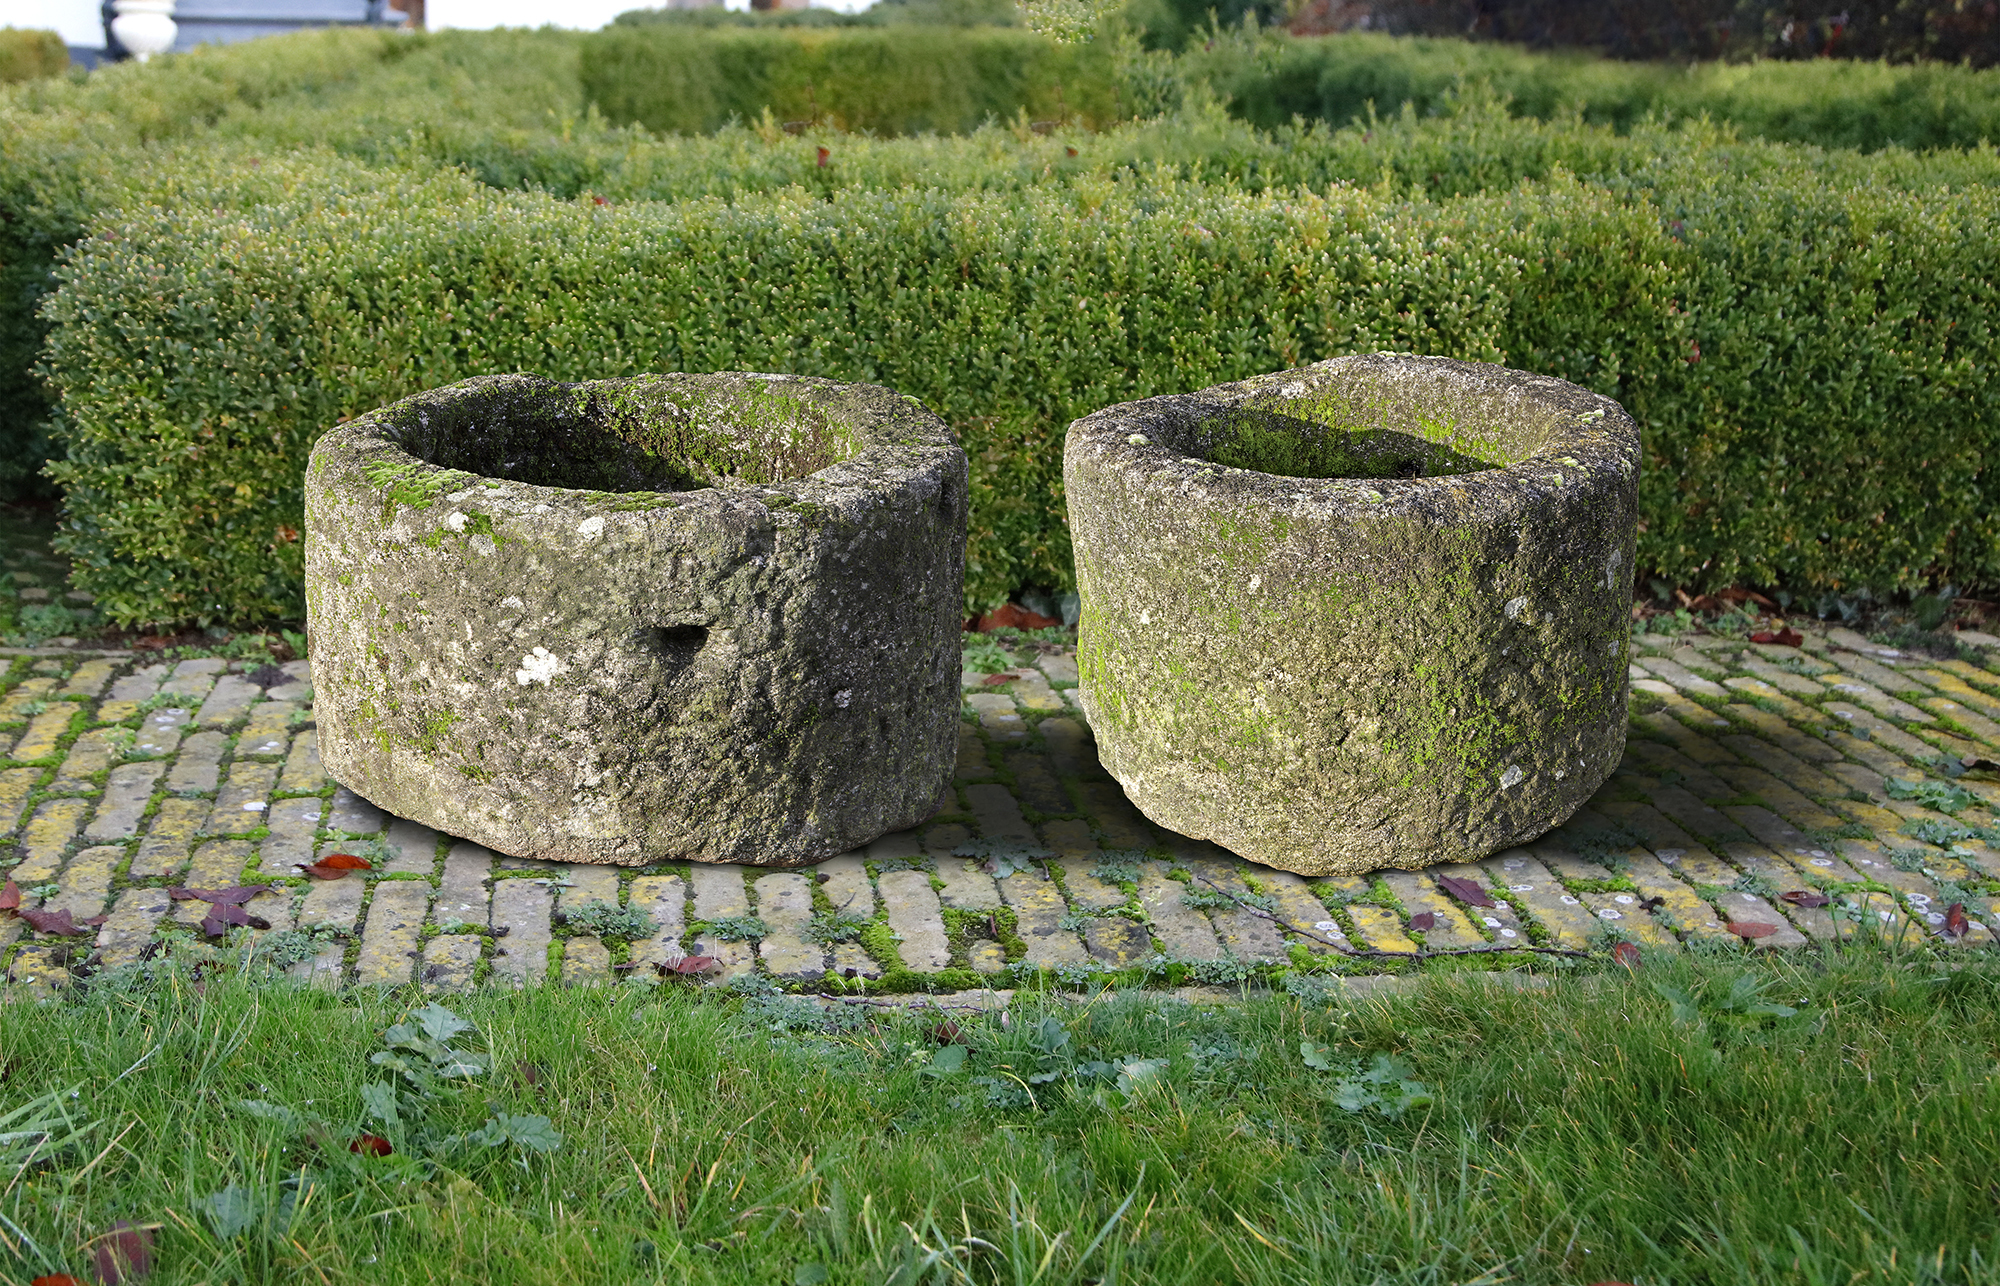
[(1751, 771)]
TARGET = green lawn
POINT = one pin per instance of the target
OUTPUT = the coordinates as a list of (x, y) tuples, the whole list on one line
[(1821, 1119)]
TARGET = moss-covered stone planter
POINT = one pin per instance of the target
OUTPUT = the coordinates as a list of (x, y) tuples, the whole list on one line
[(1371, 613), (706, 617)]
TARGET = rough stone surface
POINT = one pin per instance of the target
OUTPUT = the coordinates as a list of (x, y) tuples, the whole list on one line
[(1295, 648), (708, 617)]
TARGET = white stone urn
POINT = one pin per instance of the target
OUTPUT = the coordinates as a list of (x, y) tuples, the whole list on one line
[(146, 27)]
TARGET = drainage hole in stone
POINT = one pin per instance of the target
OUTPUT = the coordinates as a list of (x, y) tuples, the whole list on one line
[(677, 644)]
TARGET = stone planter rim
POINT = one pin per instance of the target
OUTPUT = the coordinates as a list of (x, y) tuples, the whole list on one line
[(377, 439), (1598, 435)]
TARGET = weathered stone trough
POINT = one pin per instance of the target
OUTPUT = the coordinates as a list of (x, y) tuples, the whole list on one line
[(1371, 613), (707, 617)]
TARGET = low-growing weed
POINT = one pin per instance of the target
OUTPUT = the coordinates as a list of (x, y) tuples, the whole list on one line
[(1944, 796), (733, 928), (829, 927), (609, 920)]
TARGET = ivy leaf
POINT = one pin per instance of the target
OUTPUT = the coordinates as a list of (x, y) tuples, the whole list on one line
[(266, 1111), (1139, 1075), (1684, 1008), (461, 1065), (533, 1133), (439, 1023), (231, 1211), (948, 1061), (378, 1099)]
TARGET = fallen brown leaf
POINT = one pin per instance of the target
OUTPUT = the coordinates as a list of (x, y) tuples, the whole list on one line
[(335, 866), (1956, 925), (1015, 615), (1422, 921), (224, 915), (125, 1254), (10, 896), (1806, 898), (1751, 928), (1464, 890), (1627, 954), (56, 922), (371, 1145)]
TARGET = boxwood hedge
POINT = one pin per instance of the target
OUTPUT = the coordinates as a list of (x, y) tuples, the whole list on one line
[(886, 80), (1806, 348)]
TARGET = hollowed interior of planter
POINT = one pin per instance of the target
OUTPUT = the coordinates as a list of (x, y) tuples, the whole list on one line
[(1364, 433), (621, 438)]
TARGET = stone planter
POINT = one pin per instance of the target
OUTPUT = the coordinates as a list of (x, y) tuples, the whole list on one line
[(705, 617), (1371, 613)]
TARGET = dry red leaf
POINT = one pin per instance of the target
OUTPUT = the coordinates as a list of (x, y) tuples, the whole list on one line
[(125, 1254), (1751, 928), (224, 915), (1955, 923), (1423, 920), (694, 964), (1464, 890), (598, 199), (335, 866), (528, 1074), (823, 155), (1627, 954), (56, 922), (1783, 638), (944, 1033), (1014, 616), (371, 1145), (55, 1279), (1000, 678), (10, 896), (1806, 898)]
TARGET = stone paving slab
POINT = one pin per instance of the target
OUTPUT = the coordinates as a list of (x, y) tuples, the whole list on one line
[(1751, 771)]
